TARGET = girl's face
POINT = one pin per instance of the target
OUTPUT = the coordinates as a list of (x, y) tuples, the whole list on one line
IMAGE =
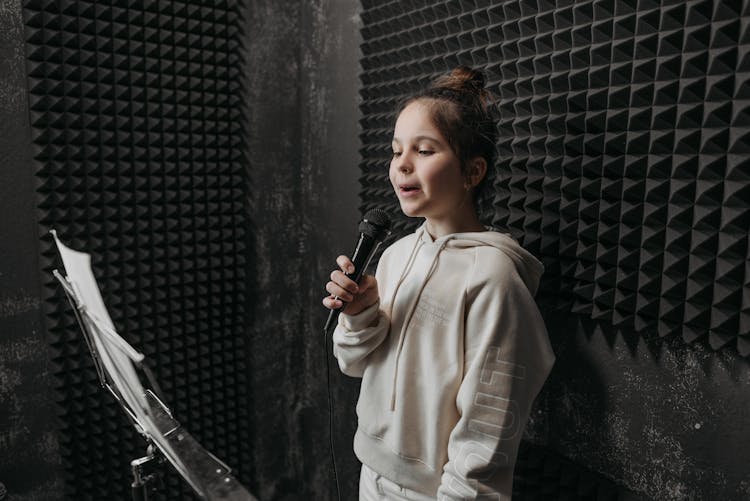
[(425, 172)]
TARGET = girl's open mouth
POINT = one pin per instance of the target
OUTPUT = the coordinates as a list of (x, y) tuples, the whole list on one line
[(408, 190)]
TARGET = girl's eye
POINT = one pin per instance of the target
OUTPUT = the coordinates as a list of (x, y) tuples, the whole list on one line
[(396, 154), (426, 152)]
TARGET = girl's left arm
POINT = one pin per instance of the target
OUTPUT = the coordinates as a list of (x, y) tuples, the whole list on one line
[(507, 357)]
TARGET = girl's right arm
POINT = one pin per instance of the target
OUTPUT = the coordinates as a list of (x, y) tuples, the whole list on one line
[(362, 326)]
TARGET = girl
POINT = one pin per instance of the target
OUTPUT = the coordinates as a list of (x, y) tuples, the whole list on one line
[(446, 337)]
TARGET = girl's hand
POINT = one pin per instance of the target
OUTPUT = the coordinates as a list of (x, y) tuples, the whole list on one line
[(345, 290)]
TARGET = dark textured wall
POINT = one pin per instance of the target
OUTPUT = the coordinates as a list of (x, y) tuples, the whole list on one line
[(30, 461), (668, 421), (303, 158)]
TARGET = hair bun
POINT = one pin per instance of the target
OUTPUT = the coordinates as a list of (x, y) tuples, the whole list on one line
[(462, 79)]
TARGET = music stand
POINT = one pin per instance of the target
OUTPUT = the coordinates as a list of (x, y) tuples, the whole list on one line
[(118, 365)]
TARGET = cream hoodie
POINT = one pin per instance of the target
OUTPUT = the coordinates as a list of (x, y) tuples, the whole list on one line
[(451, 359)]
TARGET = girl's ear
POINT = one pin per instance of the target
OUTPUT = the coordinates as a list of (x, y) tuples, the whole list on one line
[(476, 170)]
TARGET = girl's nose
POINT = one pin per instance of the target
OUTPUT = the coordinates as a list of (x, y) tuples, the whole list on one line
[(403, 163)]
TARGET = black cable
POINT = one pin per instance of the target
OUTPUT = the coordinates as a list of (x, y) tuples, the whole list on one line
[(330, 413)]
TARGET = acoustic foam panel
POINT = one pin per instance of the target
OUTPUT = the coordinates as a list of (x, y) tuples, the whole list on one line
[(624, 133), (138, 147)]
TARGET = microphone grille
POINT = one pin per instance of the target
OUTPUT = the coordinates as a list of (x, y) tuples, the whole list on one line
[(379, 218), (376, 224)]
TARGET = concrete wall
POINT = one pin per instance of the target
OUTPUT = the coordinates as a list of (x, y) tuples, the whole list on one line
[(666, 420), (29, 457), (303, 61)]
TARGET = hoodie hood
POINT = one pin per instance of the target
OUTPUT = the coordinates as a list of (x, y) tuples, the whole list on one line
[(529, 268)]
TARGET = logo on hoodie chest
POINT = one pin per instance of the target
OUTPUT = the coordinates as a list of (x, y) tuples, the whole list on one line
[(431, 311)]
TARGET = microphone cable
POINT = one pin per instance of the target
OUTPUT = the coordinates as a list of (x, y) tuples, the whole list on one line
[(330, 413), (373, 228)]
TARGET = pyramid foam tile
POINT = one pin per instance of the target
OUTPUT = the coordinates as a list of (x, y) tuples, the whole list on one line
[(642, 110)]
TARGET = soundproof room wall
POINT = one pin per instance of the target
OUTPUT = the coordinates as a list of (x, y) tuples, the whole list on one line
[(139, 155), (193, 148), (214, 158), (623, 165)]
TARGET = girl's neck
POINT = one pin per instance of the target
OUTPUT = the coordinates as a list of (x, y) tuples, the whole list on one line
[(440, 227)]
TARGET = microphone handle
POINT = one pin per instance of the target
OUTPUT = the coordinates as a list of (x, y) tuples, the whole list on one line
[(363, 253)]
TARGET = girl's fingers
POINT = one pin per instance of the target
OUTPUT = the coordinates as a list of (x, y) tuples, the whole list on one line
[(336, 290), (332, 303), (345, 264), (338, 277)]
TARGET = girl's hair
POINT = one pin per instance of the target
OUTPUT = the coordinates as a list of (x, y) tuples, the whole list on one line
[(460, 107)]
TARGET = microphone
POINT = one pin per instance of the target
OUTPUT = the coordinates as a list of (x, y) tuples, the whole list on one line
[(373, 229)]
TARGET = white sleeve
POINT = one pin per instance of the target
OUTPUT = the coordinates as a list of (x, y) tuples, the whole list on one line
[(507, 358), (356, 336)]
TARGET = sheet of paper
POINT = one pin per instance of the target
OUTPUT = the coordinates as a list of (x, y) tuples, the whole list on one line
[(78, 269), (115, 354)]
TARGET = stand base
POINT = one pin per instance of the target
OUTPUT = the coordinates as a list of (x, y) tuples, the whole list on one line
[(146, 474)]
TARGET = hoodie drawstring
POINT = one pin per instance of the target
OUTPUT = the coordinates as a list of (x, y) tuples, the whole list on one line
[(404, 272), (413, 307)]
